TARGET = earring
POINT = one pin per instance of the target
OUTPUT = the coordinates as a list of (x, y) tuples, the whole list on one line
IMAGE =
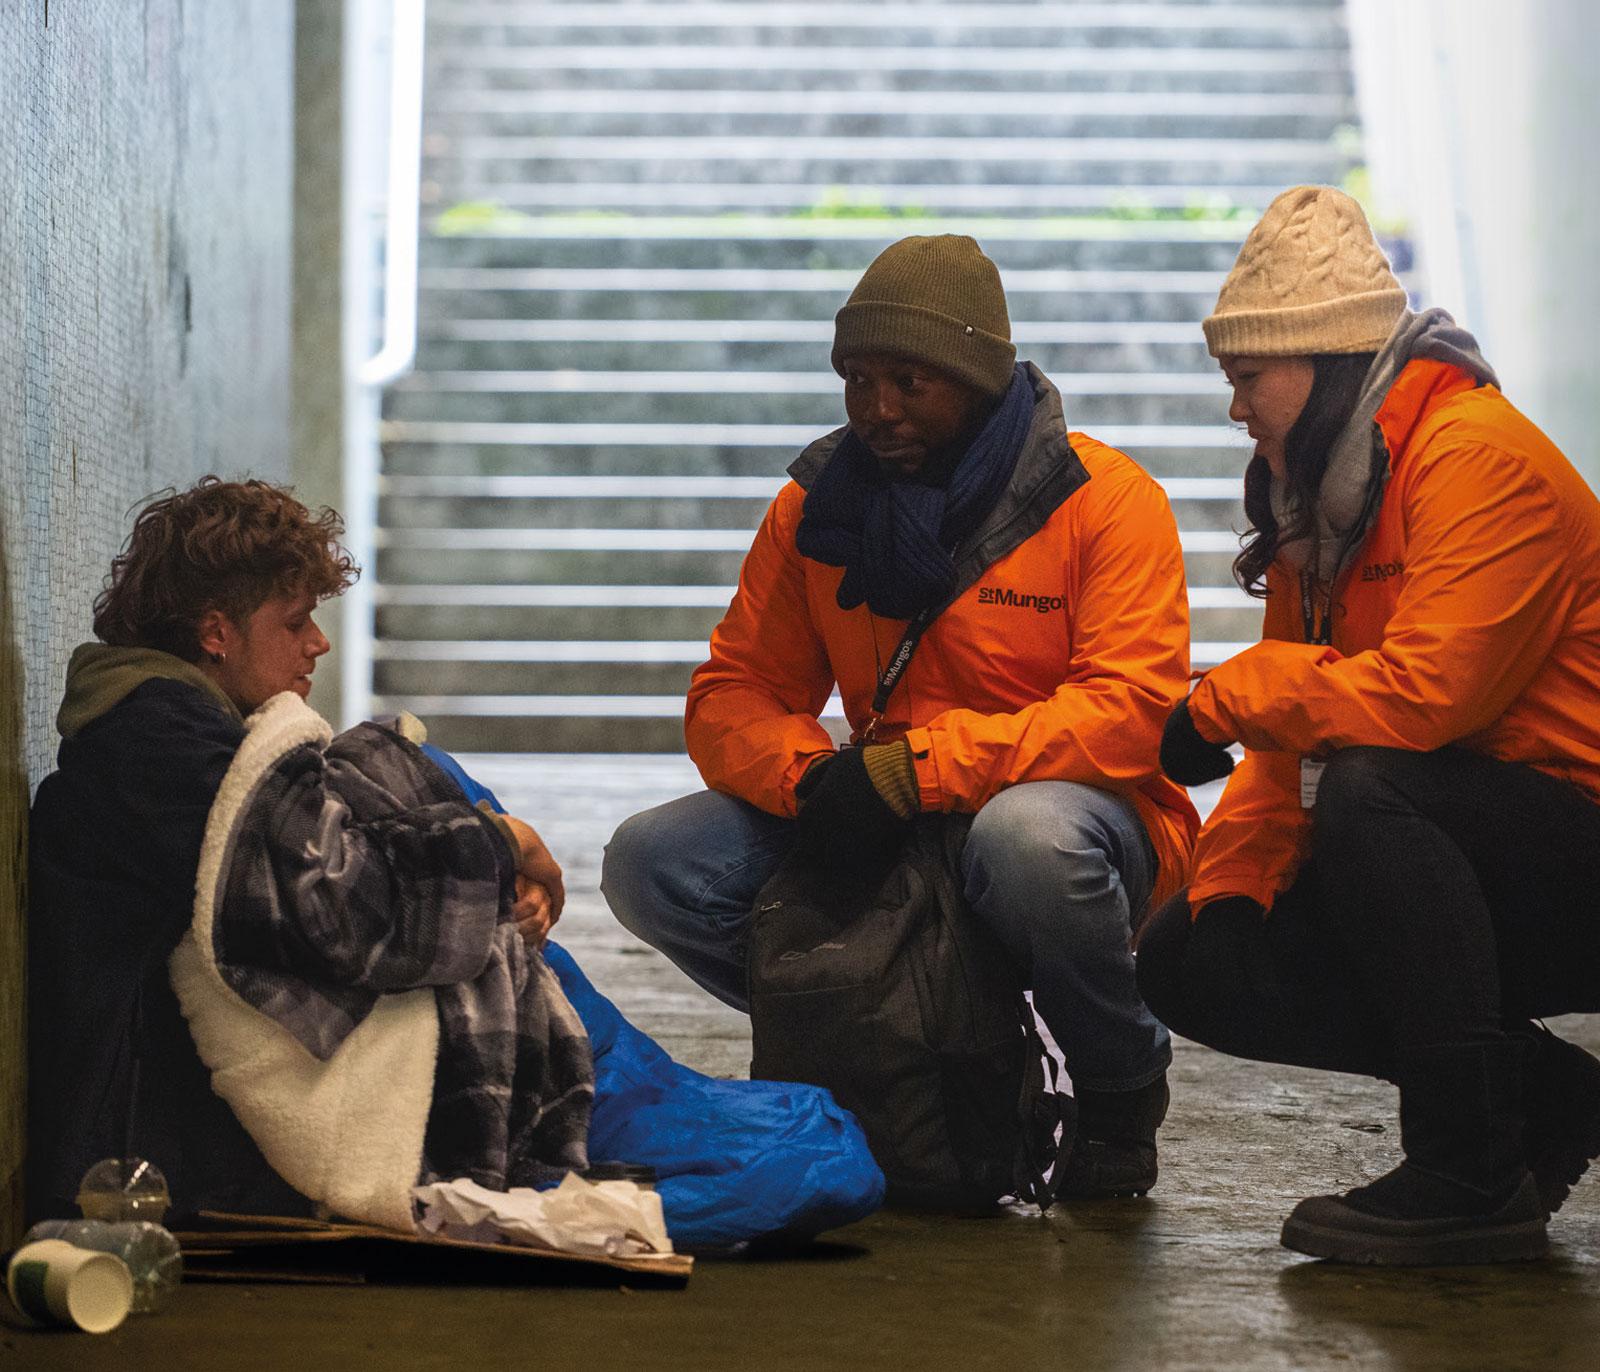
[(219, 658)]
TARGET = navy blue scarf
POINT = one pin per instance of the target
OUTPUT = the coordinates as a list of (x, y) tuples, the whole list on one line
[(894, 537)]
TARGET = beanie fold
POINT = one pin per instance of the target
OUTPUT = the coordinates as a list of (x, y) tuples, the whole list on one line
[(981, 359), (1345, 324)]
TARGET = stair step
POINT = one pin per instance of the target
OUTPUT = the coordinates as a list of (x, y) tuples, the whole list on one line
[(1061, 347), (1237, 200), (572, 381), (1229, 22), (764, 281), (461, 734), (603, 296), (1076, 53), (925, 164), (1053, 156), (491, 621), (702, 244), (1058, 361), (798, 398), (655, 486), (788, 437), (400, 567), (407, 451), (479, 675), (686, 114)]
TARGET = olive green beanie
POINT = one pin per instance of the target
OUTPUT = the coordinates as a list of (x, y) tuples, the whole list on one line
[(936, 300)]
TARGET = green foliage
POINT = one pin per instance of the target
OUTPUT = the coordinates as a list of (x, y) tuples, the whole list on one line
[(1357, 184), (839, 202), (479, 216), (1215, 208)]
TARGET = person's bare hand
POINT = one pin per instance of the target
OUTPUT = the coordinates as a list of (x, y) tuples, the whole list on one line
[(533, 912), (537, 865)]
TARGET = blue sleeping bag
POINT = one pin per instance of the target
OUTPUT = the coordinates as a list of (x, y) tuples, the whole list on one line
[(734, 1159)]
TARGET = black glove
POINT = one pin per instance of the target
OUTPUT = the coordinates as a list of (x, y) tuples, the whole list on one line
[(845, 824), (1234, 910), (1186, 757)]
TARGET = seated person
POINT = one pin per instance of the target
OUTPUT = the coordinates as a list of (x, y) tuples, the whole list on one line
[(295, 970), (1034, 700)]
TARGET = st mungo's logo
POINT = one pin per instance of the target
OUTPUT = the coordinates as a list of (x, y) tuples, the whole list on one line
[(1021, 600)]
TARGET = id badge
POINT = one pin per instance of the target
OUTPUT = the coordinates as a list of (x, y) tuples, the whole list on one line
[(1310, 778)]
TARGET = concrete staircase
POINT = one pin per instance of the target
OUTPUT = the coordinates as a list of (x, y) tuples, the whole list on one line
[(643, 216)]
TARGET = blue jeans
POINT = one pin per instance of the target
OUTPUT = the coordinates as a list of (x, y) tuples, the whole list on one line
[(1056, 869)]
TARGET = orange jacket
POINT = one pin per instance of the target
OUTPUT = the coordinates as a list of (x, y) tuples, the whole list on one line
[(1470, 616), (1059, 662)]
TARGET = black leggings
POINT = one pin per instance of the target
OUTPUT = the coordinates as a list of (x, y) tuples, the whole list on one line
[(1448, 896)]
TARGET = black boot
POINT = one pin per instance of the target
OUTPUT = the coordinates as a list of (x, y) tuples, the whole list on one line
[(1114, 1153), (1562, 1099), (1463, 1193)]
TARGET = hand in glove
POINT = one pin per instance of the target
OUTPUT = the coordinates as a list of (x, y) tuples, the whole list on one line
[(1186, 757), (855, 806), (1238, 911)]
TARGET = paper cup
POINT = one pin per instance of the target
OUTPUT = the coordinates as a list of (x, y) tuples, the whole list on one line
[(51, 1282)]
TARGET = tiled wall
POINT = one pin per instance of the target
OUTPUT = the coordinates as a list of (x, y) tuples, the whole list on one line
[(145, 191)]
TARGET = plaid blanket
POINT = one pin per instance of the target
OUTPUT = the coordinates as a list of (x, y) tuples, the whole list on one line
[(359, 870)]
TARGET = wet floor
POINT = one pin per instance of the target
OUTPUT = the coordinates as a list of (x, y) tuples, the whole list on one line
[(1190, 1277)]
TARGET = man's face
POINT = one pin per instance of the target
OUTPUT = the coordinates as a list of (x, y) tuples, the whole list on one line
[(907, 412), (275, 649)]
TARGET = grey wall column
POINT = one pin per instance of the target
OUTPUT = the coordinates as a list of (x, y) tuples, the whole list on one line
[(144, 340), (317, 369), (1480, 118)]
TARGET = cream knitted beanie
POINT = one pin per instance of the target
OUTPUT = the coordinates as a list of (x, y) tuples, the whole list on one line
[(1309, 279)]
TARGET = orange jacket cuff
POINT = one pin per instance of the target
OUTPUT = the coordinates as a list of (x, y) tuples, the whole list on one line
[(930, 793)]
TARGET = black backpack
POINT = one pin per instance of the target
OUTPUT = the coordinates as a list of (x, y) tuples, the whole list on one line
[(888, 991)]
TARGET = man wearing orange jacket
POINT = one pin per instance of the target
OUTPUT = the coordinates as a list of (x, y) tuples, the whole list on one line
[(1034, 576)]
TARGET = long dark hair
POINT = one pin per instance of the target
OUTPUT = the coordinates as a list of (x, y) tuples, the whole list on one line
[(1335, 387)]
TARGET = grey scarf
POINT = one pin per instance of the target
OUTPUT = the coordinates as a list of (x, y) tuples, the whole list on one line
[(1358, 467)]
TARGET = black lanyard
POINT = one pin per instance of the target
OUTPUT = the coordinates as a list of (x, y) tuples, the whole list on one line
[(1308, 611), (898, 662)]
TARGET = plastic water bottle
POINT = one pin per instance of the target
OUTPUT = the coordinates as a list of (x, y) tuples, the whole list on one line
[(153, 1257), (123, 1201), (124, 1189)]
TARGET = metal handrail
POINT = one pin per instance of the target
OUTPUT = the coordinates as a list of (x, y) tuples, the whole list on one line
[(398, 348)]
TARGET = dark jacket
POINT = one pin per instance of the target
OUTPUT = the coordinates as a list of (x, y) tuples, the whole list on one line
[(114, 836)]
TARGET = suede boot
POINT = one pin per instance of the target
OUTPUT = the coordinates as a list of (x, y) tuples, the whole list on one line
[(1114, 1152), (1463, 1193), (1562, 1098)]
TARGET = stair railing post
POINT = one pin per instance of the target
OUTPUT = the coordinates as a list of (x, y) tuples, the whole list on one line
[(394, 324)]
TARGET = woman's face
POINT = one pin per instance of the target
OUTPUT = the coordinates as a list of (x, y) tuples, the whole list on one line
[(1268, 395), (275, 649)]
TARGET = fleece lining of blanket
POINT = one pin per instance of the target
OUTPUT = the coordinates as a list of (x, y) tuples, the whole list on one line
[(346, 1133)]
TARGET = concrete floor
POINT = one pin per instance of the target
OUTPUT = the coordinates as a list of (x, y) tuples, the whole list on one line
[(1191, 1277)]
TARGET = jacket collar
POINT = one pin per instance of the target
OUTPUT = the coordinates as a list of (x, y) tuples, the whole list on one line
[(99, 676), (1424, 385), (1047, 473)]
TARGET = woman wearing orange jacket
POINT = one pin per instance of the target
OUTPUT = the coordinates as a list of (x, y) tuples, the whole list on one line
[(1405, 868), (1034, 699)]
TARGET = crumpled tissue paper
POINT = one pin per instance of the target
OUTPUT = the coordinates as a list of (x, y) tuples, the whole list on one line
[(615, 1219)]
